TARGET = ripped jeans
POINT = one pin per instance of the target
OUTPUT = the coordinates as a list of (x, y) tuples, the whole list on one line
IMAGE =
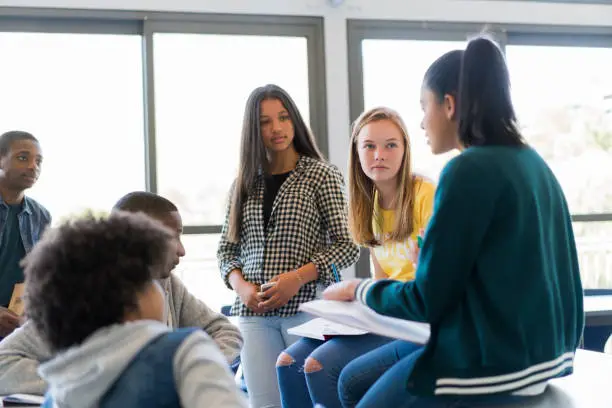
[(309, 370), (264, 339)]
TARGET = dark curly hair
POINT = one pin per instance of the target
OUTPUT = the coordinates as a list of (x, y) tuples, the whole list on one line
[(86, 274)]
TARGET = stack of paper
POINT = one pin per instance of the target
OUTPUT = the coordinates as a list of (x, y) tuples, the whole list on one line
[(355, 314), (322, 329)]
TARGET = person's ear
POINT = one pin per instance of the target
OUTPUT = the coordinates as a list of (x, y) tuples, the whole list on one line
[(450, 106)]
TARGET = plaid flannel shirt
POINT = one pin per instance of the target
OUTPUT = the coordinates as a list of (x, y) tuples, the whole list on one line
[(308, 224)]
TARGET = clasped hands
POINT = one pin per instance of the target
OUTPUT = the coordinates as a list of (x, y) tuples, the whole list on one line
[(283, 288)]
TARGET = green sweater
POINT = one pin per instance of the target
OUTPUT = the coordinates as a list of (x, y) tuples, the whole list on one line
[(497, 280)]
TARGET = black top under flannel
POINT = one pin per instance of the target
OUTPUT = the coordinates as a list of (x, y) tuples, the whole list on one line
[(308, 223), (272, 184)]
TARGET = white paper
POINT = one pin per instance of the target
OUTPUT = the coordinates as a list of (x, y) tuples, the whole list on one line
[(318, 328), (357, 315)]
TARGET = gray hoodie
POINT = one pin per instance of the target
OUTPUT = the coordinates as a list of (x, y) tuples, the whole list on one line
[(80, 376), (23, 350)]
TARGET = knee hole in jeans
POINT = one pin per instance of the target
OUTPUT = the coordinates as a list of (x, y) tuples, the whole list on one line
[(284, 360), (312, 365)]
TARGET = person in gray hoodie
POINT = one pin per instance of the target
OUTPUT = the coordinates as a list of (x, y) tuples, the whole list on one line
[(92, 292), (22, 351)]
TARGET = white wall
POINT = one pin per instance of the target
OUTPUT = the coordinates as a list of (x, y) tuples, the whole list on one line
[(485, 11)]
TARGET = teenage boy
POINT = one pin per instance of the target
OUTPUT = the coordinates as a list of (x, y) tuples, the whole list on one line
[(92, 292), (22, 219), (21, 352)]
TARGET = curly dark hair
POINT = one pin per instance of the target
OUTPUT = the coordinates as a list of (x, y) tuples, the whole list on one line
[(86, 274)]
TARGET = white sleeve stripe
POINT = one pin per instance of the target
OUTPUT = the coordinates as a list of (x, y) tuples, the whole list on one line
[(569, 356), (510, 386), (362, 290)]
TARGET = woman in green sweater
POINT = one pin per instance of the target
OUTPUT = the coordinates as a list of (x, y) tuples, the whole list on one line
[(498, 277)]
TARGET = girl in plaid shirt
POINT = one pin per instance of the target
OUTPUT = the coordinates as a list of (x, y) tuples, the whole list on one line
[(286, 225)]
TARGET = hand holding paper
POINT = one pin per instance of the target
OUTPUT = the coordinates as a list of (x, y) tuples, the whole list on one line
[(356, 315), (343, 291)]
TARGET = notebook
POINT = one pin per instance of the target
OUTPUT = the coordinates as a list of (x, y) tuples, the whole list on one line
[(354, 314), (323, 329)]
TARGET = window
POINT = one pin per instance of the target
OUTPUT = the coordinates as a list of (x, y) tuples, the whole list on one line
[(81, 96), (563, 97), (124, 101), (199, 272), (594, 244), (201, 91), (392, 76)]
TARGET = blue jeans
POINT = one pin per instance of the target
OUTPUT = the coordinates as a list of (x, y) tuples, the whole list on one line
[(300, 389), (389, 390), (360, 374), (264, 339)]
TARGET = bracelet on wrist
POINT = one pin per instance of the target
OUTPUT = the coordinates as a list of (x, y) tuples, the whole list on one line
[(297, 273)]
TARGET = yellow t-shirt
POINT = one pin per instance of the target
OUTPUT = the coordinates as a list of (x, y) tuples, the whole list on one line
[(395, 257)]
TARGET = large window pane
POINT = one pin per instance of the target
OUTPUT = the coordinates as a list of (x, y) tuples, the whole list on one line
[(81, 96), (199, 271), (594, 243), (563, 97), (201, 86), (393, 71)]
